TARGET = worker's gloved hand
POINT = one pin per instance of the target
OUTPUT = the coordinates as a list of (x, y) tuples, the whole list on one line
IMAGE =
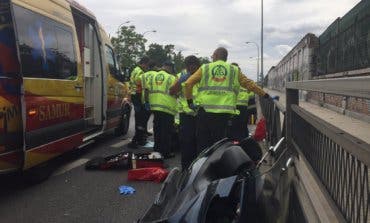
[(183, 77), (274, 98), (191, 105), (147, 106)]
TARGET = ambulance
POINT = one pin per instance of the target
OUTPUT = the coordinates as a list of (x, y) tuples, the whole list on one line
[(60, 82)]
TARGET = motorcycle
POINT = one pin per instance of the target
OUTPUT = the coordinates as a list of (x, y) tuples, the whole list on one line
[(228, 182)]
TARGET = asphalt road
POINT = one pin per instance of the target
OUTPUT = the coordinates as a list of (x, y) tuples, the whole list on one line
[(72, 194)]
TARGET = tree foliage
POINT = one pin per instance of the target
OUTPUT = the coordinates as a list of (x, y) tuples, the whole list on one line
[(129, 46), (178, 60), (204, 60), (160, 53)]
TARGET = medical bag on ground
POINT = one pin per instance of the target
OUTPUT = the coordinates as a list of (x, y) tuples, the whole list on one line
[(149, 159)]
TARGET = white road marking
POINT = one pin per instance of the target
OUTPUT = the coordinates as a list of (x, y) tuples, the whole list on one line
[(70, 166), (121, 143)]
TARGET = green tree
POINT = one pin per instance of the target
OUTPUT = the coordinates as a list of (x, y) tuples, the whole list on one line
[(204, 60), (129, 46), (160, 53), (178, 60)]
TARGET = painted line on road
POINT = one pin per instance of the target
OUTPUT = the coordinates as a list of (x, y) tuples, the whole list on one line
[(70, 166)]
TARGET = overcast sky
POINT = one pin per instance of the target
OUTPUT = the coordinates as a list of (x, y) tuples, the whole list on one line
[(200, 26)]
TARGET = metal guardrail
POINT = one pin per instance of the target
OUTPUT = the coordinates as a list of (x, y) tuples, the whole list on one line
[(341, 161), (354, 86), (273, 112)]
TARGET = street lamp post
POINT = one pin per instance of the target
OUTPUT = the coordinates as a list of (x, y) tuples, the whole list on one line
[(119, 27), (258, 57), (261, 77), (150, 31)]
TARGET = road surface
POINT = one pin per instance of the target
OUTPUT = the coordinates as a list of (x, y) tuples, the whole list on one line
[(72, 194)]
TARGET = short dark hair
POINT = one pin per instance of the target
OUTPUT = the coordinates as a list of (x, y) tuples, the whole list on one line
[(144, 60), (235, 64), (191, 60), (168, 63), (151, 64), (222, 53)]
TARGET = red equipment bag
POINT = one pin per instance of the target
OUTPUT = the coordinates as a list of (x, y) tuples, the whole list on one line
[(155, 174), (144, 160), (260, 132)]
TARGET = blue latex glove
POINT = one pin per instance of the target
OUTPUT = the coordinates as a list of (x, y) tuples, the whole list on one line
[(126, 190), (183, 77), (147, 106), (276, 98), (192, 106)]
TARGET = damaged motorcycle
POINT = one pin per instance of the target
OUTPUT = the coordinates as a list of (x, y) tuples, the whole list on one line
[(228, 182)]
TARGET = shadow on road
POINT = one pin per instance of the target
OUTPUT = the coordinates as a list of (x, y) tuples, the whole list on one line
[(23, 180)]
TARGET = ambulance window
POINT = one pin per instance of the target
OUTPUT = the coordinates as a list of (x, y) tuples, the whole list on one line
[(112, 63), (46, 46), (8, 52)]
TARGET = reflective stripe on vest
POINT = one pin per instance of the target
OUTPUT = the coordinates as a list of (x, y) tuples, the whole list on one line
[(242, 102), (218, 107), (243, 97), (162, 106)]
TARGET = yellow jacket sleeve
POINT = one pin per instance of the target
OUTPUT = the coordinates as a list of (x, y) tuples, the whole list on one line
[(250, 85), (192, 80)]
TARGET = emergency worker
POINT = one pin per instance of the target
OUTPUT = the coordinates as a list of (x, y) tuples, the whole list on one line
[(143, 79), (219, 84), (238, 129), (136, 91), (187, 136), (164, 107)]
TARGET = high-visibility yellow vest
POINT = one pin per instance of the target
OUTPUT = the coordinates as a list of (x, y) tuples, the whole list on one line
[(182, 104), (243, 97), (159, 93), (133, 79), (219, 87), (144, 79)]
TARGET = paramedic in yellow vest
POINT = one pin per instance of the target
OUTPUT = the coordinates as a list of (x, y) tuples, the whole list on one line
[(238, 129), (136, 90), (164, 107), (219, 84), (146, 114), (187, 137)]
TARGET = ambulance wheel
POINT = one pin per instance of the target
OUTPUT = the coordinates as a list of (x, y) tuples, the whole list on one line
[(122, 129)]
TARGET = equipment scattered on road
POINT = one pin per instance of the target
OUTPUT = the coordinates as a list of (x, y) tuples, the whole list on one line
[(126, 190), (126, 160), (156, 174)]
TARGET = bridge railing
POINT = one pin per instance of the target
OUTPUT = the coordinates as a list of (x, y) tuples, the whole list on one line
[(274, 113), (339, 160)]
